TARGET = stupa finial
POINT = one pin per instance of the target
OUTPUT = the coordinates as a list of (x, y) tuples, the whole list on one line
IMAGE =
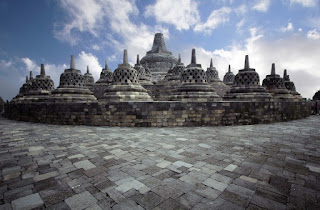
[(285, 73), (72, 65), (138, 60), (229, 69), (179, 59), (125, 57), (246, 62), (88, 70), (27, 79), (31, 75), (193, 57), (211, 65), (42, 71), (106, 65), (273, 69)]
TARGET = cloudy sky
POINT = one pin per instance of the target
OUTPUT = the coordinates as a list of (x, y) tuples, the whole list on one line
[(285, 32)]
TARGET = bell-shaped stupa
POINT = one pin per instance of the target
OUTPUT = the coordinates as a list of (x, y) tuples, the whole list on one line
[(89, 80), (290, 85), (125, 85), (214, 80), (72, 87), (275, 86), (144, 77), (104, 81), (194, 86), (246, 86), (228, 77), (158, 60), (173, 75)]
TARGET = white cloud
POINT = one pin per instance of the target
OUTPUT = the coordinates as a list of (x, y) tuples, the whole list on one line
[(182, 14), (30, 65), (87, 59), (305, 3), (313, 34), (300, 30), (85, 16), (241, 10), (262, 5), (216, 18), (240, 23), (288, 28), (124, 33)]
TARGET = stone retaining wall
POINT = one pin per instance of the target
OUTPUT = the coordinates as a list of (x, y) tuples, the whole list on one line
[(159, 113)]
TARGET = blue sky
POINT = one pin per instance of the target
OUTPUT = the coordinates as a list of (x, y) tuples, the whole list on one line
[(285, 32)]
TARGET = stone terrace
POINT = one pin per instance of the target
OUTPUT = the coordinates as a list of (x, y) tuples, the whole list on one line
[(273, 166)]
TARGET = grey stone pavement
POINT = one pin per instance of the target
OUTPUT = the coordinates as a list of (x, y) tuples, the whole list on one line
[(273, 166)]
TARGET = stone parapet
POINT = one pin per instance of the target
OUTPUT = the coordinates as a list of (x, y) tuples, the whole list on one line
[(158, 114)]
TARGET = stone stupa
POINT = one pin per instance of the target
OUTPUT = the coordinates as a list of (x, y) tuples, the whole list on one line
[(173, 75), (72, 87), (228, 77), (158, 60), (246, 86), (143, 75), (275, 86), (88, 78), (125, 85), (194, 86), (25, 88), (40, 87), (214, 80), (290, 85), (104, 81)]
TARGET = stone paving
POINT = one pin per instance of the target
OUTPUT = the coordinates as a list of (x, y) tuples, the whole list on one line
[(273, 166)]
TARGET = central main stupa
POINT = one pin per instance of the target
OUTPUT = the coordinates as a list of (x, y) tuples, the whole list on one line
[(158, 60)]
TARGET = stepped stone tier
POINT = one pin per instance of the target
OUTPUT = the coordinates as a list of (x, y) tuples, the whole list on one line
[(194, 87), (89, 80), (104, 81), (125, 85), (246, 86), (158, 60), (275, 86), (290, 85), (228, 77), (214, 80), (143, 74), (72, 87)]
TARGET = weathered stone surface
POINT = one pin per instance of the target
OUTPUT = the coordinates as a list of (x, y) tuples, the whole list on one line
[(271, 166), (81, 201), (28, 202)]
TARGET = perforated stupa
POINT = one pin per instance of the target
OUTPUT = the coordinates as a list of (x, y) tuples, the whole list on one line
[(246, 86), (275, 86), (194, 86), (125, 85), (72, 86), (214, 80)]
